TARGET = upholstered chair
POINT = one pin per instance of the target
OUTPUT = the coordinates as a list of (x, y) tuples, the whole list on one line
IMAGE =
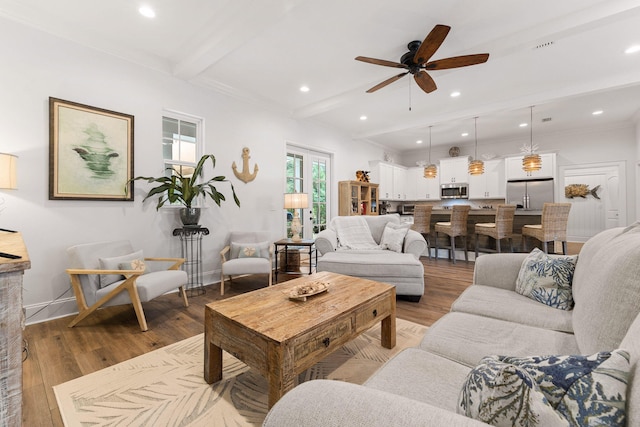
[(501, 228), (248, 252), (553, 226), (422, 223), (456, 227)]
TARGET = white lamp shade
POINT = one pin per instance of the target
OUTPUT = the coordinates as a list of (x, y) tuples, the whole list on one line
[(8, 171), (296, 200)]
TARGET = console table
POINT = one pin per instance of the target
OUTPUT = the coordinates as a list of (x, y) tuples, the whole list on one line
[(11, 319), (191, 239)]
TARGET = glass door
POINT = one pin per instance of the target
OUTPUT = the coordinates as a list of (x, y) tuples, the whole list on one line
[(308, 171)]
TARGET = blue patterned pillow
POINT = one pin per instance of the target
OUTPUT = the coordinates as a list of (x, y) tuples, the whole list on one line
[(547, 279), (548, 390)]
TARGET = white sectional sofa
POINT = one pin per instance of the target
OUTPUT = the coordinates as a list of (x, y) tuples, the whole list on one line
[(423, 386), (398, 265)]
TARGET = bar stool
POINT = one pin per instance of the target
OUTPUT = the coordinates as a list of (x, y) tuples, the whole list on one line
[(502, 228), (553, 226), (422, 223), (457, 226)]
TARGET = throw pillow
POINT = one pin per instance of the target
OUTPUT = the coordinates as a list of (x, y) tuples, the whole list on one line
[(136, 264), (113, 263), (393, 236), (547, 279), (249, 250), (548, 390)]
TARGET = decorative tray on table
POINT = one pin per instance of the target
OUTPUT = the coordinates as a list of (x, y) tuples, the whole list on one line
[(302, 292)]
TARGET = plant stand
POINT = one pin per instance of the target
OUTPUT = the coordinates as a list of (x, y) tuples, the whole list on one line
[(191, 238)]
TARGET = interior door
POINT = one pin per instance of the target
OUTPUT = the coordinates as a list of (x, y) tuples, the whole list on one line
[(309, 171)]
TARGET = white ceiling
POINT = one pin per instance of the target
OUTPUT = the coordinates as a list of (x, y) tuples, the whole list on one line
[(264, 50)]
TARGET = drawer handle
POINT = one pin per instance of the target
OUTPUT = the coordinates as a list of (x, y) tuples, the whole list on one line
[(375, 312), (326, 342)]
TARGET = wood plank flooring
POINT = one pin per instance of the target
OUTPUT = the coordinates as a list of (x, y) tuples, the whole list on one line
[(57, 354)]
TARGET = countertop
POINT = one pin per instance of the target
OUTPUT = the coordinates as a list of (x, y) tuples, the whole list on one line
[(487, 212)]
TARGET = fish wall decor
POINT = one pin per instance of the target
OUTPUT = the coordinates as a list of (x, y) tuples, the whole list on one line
[(580, 190)]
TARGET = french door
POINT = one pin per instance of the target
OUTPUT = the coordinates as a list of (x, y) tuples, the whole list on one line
[(309, 171)]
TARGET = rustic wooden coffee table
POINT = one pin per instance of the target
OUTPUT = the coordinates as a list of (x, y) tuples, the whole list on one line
[(281, 337)]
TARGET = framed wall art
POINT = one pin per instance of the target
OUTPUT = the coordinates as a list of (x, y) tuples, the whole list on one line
[(90, 152)]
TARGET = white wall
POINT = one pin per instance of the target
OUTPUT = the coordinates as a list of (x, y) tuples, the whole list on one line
[(37, 66)]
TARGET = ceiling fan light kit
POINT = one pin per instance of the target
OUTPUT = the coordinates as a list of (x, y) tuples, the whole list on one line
[(531, 162), (476, 167), (431, 170), (416, 60)]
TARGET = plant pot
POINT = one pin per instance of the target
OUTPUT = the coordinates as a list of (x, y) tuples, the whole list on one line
[(190, 216)]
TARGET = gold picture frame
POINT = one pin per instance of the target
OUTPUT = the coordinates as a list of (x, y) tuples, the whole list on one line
[(90, 153)]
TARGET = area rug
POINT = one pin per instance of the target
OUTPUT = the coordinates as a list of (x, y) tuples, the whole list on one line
[(166, 386)]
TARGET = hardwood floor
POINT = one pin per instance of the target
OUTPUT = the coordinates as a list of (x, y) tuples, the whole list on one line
[(57, 354)]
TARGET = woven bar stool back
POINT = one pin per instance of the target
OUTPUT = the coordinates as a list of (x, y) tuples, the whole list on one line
[(553, 227), (422, 223), (457, 226), (502, 228)]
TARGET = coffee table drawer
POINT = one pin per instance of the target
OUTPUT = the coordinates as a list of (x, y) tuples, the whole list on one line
[(373, 312), (309, 346)]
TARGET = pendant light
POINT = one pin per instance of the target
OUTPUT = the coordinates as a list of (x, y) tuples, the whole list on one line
[(476, 167), (431, 170), (531, 162)]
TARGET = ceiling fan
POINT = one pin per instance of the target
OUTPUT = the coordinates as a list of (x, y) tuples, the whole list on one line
[(415, 61)]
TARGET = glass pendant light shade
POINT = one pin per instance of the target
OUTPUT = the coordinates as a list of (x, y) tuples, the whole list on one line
[(476, 167), (531, 162), (431, 170)]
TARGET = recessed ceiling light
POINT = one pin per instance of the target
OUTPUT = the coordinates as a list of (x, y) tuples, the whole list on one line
[(455, 94), (146, 11), (597, 112), (465, 134), (524, 125), (363, 118), (419, 141), (633, 49), (304, 88)]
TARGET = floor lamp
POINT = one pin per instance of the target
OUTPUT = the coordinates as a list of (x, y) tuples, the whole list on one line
[(296, 201)]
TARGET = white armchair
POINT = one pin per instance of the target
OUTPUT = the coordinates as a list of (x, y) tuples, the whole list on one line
[(248, 252), (111, 273)]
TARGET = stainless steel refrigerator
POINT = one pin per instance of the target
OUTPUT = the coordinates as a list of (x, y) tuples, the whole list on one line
[(530, 194)]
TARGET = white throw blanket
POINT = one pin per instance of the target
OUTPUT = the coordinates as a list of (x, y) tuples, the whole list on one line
[(353, 233)]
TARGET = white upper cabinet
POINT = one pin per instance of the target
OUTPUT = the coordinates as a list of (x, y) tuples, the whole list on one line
[(514, 168), (399, 183), (491, 184), (454, 170), (421, 188), (392, 179)]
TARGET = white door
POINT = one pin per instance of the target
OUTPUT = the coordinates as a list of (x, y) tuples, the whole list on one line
[(309, 171), (590, 215)]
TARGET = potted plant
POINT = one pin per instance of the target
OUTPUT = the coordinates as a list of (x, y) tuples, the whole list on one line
[(185, 190)]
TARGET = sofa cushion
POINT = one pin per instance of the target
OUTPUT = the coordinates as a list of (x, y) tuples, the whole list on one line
[(393, 236), (548, 390), (113, 263), (380, 263), (467, 338), (547, 279), (607, 290), (631, 343), (249, 250), (505, 304)]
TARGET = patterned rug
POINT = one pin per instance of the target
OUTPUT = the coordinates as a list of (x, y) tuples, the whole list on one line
[(166, 386)]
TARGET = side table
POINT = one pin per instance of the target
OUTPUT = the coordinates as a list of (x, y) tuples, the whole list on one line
[(285, 246), (191, 238)]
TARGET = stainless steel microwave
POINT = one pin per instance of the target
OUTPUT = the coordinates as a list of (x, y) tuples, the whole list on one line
[(454, 191)]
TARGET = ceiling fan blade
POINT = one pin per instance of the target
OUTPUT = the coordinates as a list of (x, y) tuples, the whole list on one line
[(431, 43), (386, 82), (425, 81), (457, 61), (380, 62)]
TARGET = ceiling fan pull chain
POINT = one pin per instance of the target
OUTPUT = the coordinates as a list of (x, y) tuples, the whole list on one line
[(409, 94)]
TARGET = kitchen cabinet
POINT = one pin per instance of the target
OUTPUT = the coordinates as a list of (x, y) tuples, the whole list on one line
[(421, 188), (491, 184), (455, 169), (514, 168), (392, 179), (357, 198)]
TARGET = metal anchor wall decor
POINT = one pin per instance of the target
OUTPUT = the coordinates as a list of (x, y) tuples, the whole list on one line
[(245, 176)]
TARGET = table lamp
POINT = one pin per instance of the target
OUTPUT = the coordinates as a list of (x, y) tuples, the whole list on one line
[(296, 201), (8, 163)]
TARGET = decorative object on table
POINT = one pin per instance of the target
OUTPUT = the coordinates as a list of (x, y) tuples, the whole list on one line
[(362, 176), (580, 190), (296, 201), (302, 292), (454, 151), (476, 166), (245, 176), (184, 190), (531, 162), (90, 152), (430, 170), (8, 171)]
